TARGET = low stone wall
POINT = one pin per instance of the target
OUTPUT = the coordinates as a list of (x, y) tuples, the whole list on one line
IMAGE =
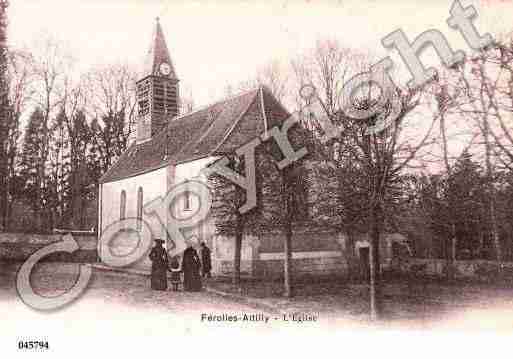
[(469, 269), (270, 265), (302, 267), (125, 242), (225, 267), (17, 247)]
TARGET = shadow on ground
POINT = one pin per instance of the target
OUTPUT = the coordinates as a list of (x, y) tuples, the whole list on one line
[(423, 304)]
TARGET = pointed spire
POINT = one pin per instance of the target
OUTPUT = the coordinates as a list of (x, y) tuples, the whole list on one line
[(158, 55)]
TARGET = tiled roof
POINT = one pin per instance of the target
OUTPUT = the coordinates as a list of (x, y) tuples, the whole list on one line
[(216, 129)]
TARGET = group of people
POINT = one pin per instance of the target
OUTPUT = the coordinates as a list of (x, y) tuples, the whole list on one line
[(192, 267)]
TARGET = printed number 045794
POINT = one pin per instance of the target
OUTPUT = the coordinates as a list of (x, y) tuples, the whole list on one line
[(30, 345)]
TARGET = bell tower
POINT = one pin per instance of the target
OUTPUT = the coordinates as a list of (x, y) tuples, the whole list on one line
[(157, 91)]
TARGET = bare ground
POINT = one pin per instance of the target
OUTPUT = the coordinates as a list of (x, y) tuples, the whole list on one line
[(424, 305)]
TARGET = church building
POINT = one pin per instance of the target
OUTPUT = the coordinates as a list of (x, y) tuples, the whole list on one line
[(171, 147)]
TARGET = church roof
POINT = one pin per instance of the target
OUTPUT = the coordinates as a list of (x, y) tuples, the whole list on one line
[(157, 54), (213, 130)]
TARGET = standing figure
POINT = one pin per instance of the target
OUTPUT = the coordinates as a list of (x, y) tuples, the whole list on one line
[(191, 266), (206, 263), (159, 263), (174, 267)]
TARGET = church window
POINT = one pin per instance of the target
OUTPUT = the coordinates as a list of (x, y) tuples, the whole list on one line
[(144, 107), (159, 96), (139, 207), (159, 89), (170, 98), (143, 95), (122, 205), (187, 201)]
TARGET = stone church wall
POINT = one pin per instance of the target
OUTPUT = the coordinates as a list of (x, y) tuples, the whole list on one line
[(205, 230), (153, 185), (223, 250), (313, 254)]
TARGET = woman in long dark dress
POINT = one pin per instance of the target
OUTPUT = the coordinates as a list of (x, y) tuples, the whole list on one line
[(159, 263), (191, 270)]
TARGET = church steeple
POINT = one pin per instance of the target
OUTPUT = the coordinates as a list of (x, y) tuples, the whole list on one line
[(157, 90), (158, 55)]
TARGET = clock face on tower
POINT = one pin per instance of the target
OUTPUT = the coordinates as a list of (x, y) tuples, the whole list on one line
[(165, 69)]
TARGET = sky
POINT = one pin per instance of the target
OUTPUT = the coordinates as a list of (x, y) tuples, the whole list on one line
[(216, 43)]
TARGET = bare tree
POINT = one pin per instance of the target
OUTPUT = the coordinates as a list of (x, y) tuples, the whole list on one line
[(73, 127), (456, 139), (186, 100), (19, 78), (50, 67), (487, 83), (382, 157), (111, 105), (328, 66), (377, 160), (274, 75)]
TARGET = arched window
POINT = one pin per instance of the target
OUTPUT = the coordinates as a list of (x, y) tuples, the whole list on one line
[(122, 205), (187, 199), (139, 207)]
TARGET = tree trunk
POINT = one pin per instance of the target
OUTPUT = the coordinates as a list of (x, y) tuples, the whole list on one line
[(374, 265), (8, 215), (287, 249), (76, 177), (349, 251), (10, 200), (454, 244), (237, 254), (450, 254), (491, 194), (495, 231), (3, 198)]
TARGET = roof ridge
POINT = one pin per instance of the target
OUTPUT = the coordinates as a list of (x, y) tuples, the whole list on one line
[(203, 108), (174, 121), (228, 133), (262, 104), (201, 133), (206, 127), (118, 161)]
